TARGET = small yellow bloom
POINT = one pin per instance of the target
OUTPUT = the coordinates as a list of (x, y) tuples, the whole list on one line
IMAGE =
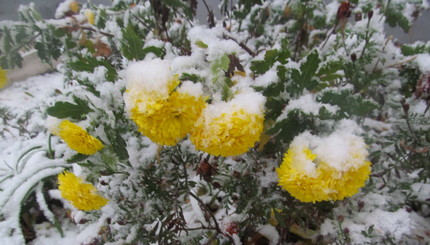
[(77, 138), (309, 179), (75, 6), (90, 16), (163, 108), (3, 78), (82, 195), (166, 121), (226, 133)]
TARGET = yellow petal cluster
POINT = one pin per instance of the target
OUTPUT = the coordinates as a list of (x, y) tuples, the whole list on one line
[(3, 78), (75, 6), (89, 14), (226, 133), (163, 109), (82, 195), (325, 182), (166, 120), (77, 138)]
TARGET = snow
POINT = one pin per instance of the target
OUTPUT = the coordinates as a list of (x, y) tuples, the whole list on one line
[(423, 62), (151, 76), (307, 104)]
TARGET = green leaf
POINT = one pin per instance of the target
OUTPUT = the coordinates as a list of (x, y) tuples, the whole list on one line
[(408, 50), (309, 68), (89, 63), (304, 78), (159, 52), (118, 143), (191, 77), (259, 67), (395, 17), (66, 109), (132, 44), (220, 65), (77, 158), (348, 103), (201, 44), (328, 72)]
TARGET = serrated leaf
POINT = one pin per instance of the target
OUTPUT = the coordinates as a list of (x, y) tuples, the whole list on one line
[(259, 67), (89, 63), (201, 44), (132, 44), (348, 103), (65, 109), (309, 68), (408, 50)]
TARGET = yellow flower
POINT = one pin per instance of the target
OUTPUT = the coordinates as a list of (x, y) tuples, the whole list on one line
[(166, 121), (163, 109), (3, 78), (309, 179), (227, 129), (75, 6), (90, 16), (77, 138), (82, 195)]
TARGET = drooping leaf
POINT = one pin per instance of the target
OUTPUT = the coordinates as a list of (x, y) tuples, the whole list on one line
[(67, 109)]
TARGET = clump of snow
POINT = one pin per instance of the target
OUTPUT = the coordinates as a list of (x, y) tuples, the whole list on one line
[(194, 89), (149, 75), (423, 62), (251, 102), (269, 232), (63, 8), (307, 104), (267, 78)]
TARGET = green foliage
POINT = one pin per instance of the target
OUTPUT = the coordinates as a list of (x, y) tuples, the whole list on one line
[(304, 78), (89, 63), (132, 44), (348, 103), (76, 111)]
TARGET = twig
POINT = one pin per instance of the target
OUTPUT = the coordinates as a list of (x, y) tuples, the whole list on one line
[(94, 30), (242, 45)]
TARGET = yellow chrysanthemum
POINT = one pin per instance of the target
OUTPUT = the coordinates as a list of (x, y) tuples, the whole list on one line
[(3, 78), (307, 178), (75, 6), (77, 138), (166, 121), (89, 14), (163, 108), (82, 195), (227, 133)]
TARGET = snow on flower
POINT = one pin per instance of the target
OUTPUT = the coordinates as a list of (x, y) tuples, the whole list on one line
[(324, 168), (76, 137), (230, 128), (163, 111), (82, 195)]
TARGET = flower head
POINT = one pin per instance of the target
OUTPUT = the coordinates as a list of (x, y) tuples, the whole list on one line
[(77, 138), (230, 128), (82, 195), (163, 111), (89, 14), (308, 176)]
